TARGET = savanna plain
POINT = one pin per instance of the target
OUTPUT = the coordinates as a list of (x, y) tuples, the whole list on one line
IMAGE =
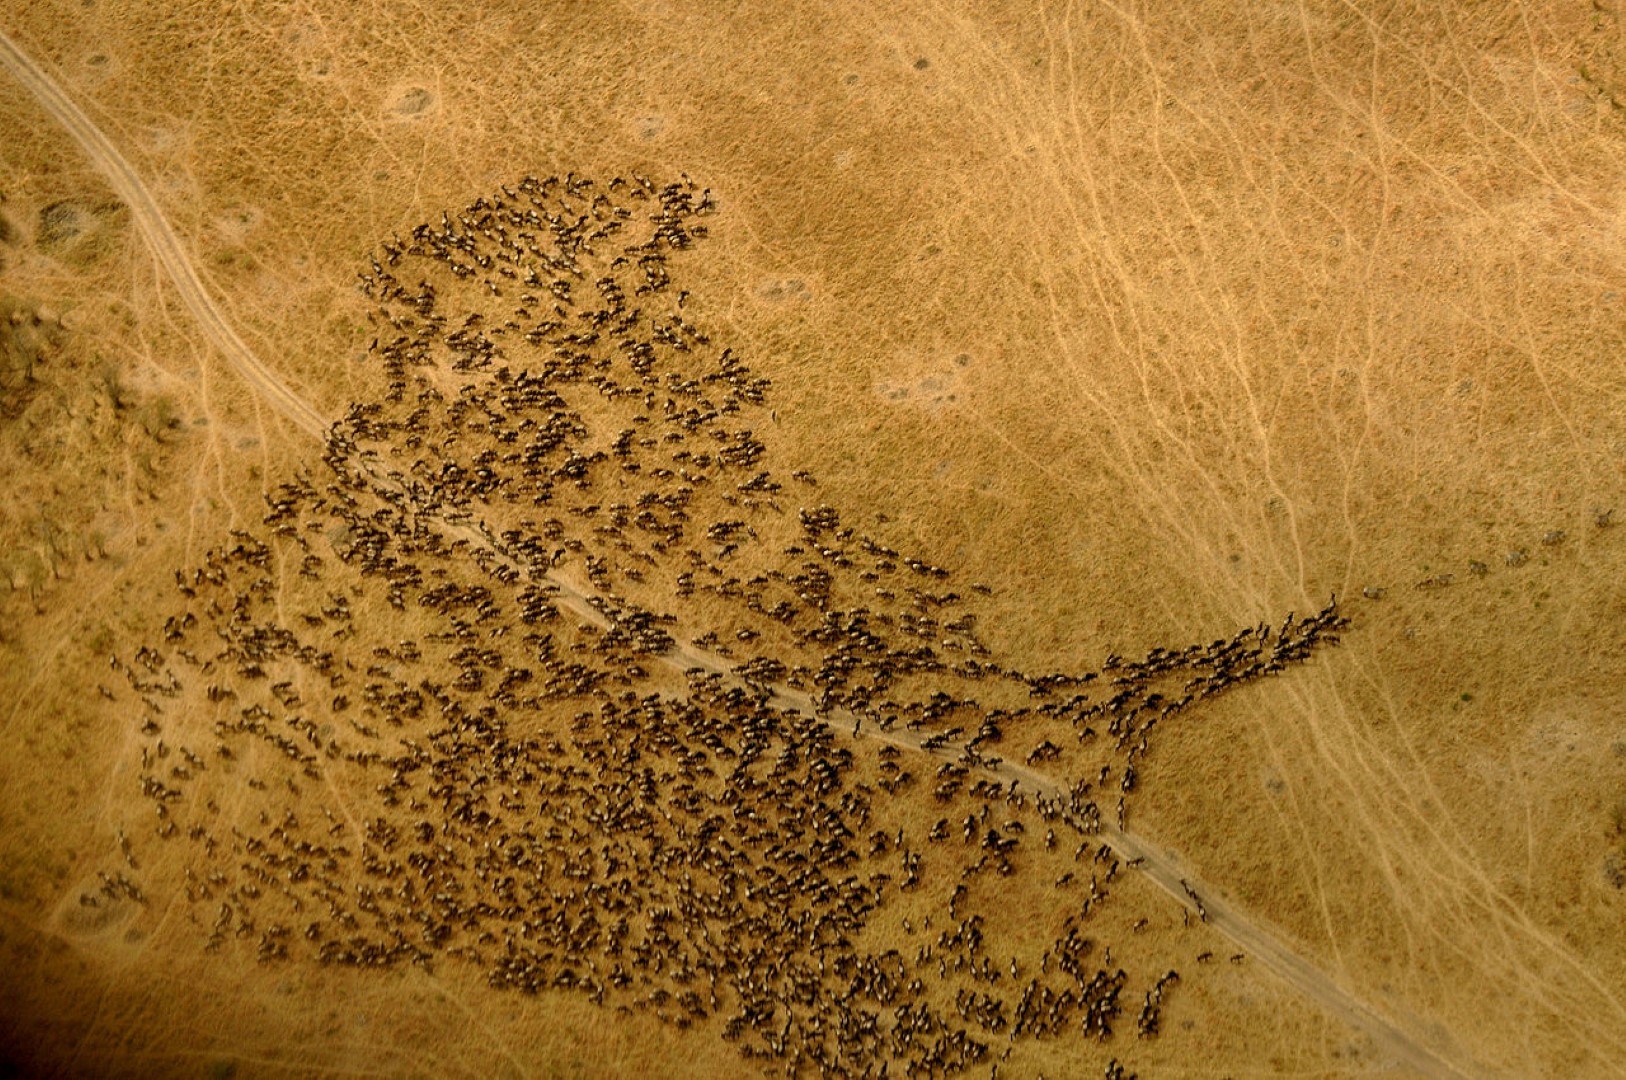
[(642, 539)]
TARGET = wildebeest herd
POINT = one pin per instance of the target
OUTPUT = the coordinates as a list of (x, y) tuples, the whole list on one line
[(548, 670)]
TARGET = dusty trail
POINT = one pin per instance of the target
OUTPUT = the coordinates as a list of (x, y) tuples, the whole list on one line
[(165, 245), (1392, 1043)]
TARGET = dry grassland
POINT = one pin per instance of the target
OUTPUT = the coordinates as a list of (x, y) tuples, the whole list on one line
[(1160, 321)]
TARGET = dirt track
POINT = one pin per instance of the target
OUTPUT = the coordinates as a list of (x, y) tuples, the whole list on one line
[(1390, 1041), (165, 245)]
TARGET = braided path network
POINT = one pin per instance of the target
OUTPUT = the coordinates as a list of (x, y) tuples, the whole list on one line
[(1392, 1039)]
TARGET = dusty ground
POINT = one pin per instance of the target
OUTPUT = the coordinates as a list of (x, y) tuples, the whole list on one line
[(1160, 322)]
